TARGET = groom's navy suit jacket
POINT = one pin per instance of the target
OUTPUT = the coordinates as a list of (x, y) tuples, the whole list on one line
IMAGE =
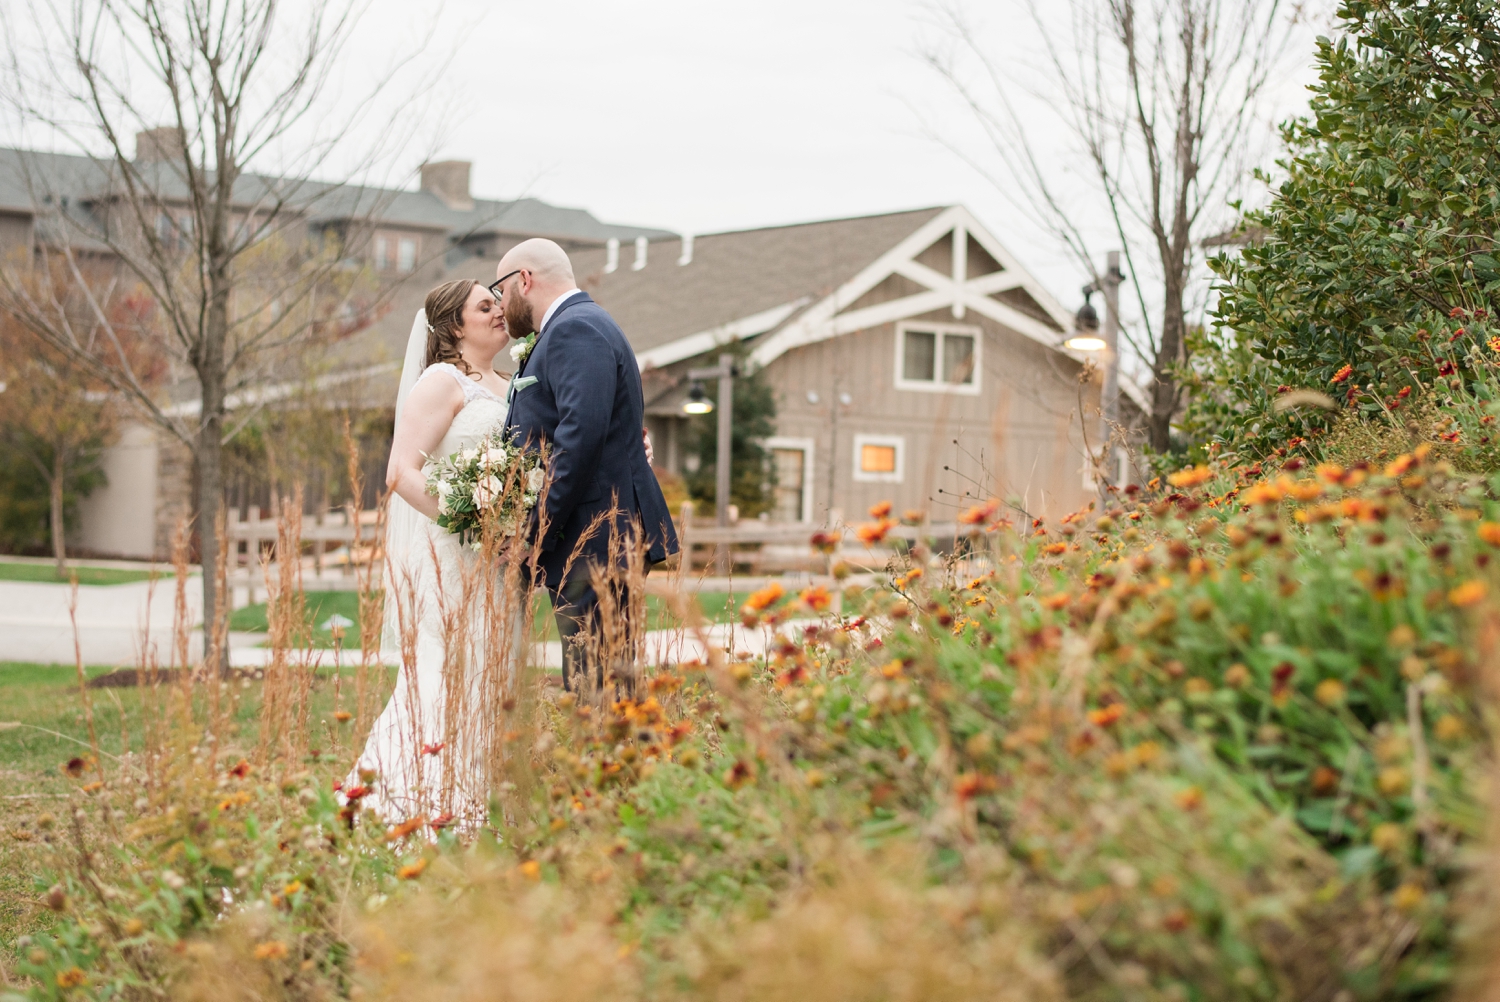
[(587, 406)]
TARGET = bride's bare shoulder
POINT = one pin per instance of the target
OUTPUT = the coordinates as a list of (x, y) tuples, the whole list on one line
[(436, 391)]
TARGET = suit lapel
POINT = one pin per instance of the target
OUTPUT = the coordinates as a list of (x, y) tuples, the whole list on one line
[(582, 297)]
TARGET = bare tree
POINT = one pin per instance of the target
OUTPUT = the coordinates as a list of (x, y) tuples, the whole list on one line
[(1165, 99), (246, 270)]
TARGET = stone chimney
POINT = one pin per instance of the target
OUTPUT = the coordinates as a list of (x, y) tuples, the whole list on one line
[(157, 145), (449, 181)]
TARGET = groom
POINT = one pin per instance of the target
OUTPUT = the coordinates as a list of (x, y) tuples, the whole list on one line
[(578, 390)]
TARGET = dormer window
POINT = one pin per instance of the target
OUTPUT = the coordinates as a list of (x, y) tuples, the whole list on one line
[(941, 358)]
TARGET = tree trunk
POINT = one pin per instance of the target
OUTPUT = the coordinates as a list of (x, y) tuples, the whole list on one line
[(209, 470), (1163, 386), (59, 539)]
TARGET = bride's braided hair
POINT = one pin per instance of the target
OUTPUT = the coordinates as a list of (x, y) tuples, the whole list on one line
[(445, 318)]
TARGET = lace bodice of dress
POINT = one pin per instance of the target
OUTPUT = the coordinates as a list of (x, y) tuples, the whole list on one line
[(483, 412)]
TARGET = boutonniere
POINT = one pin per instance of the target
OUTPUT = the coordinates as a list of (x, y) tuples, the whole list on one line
[(521, 350)]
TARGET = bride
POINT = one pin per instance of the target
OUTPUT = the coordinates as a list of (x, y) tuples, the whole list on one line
[(429, 750)]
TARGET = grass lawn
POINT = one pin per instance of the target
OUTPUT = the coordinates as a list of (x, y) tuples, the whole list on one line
[(718, 607), (86, 575), (41, 727)]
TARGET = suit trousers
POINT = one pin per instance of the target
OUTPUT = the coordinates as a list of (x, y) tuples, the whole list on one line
[(589, 643)]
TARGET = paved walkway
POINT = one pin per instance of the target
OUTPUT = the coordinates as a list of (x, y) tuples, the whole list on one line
[(115, 620)]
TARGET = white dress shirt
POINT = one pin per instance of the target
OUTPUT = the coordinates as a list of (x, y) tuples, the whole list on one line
[(557, 304)]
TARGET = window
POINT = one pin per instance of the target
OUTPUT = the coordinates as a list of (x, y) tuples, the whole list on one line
[(791, 458), (937, 358), (382, 253), (879, 458), (406, 256)]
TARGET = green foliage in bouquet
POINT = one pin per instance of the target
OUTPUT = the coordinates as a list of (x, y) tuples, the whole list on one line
[(1377, 252), (493, 485)]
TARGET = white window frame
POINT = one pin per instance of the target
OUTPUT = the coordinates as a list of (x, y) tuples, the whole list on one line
[(940, 329), (806, 445), (404, 264), (860, 441)]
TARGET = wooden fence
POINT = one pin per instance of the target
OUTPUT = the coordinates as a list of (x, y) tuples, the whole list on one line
[(331, 562)]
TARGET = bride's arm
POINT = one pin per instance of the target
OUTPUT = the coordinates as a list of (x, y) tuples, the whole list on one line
[(425, 417)]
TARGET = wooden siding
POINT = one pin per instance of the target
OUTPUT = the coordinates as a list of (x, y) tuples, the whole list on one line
[(1019, 437)]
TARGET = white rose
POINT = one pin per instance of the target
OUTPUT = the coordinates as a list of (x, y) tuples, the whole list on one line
[(518, 350), (488, 491), (534, 479), (444, 488)]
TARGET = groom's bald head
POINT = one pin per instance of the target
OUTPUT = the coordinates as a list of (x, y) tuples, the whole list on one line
[(531, 276), (544, 259)]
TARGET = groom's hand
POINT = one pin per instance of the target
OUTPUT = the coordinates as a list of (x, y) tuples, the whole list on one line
[(650, 456)]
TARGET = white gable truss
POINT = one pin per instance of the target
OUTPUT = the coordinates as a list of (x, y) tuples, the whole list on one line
[(956, 292)]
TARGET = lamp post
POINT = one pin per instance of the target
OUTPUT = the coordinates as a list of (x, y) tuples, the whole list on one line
[(698, 403), (1088, 337)]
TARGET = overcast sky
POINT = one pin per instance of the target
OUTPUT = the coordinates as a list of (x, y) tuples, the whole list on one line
[(706, 116)]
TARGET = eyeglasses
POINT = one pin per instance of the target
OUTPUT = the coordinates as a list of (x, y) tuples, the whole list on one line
[(495, 288)]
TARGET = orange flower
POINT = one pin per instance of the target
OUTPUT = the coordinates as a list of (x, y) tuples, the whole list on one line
[(531, 869), (241, 769), (342, 716), (816, 598), (1400, 465), (273, 950), (1342, 374), (412, 871), (1468, 593), (1053, 549), (1105, 716), (880, 509), (979, 514), (1189, 799), (404, 829), (1057, 600), (1490, 532), (1264, 494), (826, 542), (874, 532), (968, 785), (71, 978), (765, 597), (1331, 472), (1191, 477)]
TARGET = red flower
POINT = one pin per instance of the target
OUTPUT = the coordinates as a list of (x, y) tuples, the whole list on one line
[(1446, 368), (441, 821), (1405, 392), (880, 509), (357, 793), (1342, 374), (241, 769), (432, 749), (1456, 312), (1457, 334)]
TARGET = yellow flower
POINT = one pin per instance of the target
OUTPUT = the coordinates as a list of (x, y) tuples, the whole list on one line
[(71, 978), (1392, 780), (1197, 687), (1448, 728), (1409, 897), (1387, 837), (1468, 593), (1490, 532), (272, 950), (1236, 676), (531, 870), (1192, 477), (1330, 692)]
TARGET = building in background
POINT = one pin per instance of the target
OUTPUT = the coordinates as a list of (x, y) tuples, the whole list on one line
[(913, 359)]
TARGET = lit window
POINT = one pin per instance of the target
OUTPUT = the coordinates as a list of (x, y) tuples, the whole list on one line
[(382, 254), (937, 357), (406, 255), (878, 458)]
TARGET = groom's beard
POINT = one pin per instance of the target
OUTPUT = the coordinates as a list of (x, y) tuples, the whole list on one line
[(520, 320)]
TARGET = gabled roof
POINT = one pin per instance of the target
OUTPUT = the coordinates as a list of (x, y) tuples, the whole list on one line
[(788, 286), (27, 177), (755, 274)]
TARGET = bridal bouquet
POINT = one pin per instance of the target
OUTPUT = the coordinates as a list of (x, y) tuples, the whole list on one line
[(495, 483)]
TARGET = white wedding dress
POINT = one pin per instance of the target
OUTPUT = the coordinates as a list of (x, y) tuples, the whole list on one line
[(434, 747)]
